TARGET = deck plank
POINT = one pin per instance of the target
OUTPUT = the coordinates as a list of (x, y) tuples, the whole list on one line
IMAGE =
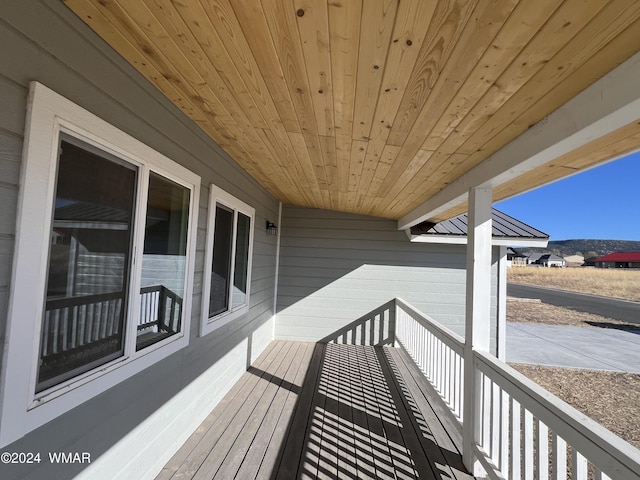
[(293, 450), (324, 411), (241, 422), (262, 411), (203, 441), (431, 421), (264, 449)]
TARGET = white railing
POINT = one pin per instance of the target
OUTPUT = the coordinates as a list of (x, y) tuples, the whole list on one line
[(436, 350), (521, 430)]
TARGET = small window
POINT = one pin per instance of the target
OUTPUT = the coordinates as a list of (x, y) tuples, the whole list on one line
[(228, 259), (104, 262)]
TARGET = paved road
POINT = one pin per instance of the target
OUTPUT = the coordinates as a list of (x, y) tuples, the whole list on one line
[(606, 307)]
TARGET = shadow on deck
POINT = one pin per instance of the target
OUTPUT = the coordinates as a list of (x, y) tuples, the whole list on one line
[(308, 410)]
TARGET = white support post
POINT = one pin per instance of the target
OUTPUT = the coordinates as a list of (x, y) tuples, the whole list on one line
[(501, 332), (478, 315)]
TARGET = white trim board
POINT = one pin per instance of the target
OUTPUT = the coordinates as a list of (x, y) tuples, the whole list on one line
[(496, 241)]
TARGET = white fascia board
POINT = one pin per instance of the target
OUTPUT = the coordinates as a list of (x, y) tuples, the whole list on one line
[(609, 104), (462, 240)]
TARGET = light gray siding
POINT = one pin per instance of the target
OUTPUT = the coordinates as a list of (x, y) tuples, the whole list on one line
[(133, 428), (337, 267)]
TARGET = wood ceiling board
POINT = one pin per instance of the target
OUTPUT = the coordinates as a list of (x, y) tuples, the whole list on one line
[(376, 29), (214, 24), (358, 152), (304, 161), (478, 74), (412, 21), (419, 188), (448, 23), (517, 31), (344, 37), (198, 39), (313, 30), (178, 57), (467, 46), (566, 21), (103, 21), (385, 164), (602, 27), (255, 31), (281, 19)]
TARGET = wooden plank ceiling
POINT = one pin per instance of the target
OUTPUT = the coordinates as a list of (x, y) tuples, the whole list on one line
[(373, 106)]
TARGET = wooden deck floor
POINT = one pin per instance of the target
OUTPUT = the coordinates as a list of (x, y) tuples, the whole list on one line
[(323, 411)]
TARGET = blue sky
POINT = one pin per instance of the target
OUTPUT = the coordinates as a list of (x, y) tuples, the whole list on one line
[(601, 203)]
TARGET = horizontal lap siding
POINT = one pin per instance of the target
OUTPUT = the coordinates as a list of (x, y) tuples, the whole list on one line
[(337, 267), (132, 429)]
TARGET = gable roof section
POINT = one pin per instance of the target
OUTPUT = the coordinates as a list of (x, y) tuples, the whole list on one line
[(506, 230)]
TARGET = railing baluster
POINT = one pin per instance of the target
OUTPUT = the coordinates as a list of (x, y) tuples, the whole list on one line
[(496, 427), (528, 444), (543, 450), (558, 457), (515, 439), (505, 405), (74, 327), (82, 317), (485, 412), (579, 468)]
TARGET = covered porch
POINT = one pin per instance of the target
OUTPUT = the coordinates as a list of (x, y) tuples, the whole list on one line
[(306, 410), (408, 112), (396, 409)]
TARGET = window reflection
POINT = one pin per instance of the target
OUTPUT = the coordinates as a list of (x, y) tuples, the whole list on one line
[(163, 261)]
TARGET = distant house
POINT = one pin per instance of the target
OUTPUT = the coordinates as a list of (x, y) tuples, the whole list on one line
[(515, 258), (590, 262), (551, 260), (619, 260), (574, 260), (533, 258)]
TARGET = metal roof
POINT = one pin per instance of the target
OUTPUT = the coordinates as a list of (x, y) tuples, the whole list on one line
[(504, 226), (620, 257)]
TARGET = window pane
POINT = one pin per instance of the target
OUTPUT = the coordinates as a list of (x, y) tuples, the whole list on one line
[(221, 265), (88, 268), (163, 261), (240, 270)]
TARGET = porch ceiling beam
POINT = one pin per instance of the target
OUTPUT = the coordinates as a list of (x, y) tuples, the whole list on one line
[(606, 106)]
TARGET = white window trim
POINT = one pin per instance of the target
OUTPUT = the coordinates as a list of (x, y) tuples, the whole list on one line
[(217, 195), (22, 410)]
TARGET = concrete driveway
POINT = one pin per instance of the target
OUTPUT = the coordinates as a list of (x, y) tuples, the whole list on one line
[(574, 347)]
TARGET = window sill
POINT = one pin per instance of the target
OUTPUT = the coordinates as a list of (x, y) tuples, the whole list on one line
[(209, 325)]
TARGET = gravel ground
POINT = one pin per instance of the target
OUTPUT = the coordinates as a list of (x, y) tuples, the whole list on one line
[(609, 398)]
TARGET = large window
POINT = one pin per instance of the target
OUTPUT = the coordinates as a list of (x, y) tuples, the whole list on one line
[(104, 262), (228, 260)]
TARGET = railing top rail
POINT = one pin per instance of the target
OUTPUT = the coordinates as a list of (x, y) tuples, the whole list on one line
[(607, 451), (82, 300), (449, 337)]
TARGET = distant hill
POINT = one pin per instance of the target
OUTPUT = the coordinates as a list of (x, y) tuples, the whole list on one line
[(586, 247)]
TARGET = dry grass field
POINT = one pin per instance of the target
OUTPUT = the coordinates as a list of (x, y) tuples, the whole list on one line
[(613, 282)]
